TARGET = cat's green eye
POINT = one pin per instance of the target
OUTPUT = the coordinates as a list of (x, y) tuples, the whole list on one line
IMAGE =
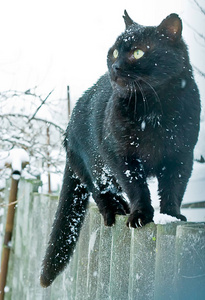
[(115, 53), (138, 54)]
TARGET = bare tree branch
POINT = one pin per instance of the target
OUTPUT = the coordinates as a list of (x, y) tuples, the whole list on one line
[(195, 31), (199, 71), (33, 118), (200, 7), (38, 108)]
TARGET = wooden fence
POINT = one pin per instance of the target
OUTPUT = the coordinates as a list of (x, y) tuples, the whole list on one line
[(157, 262)]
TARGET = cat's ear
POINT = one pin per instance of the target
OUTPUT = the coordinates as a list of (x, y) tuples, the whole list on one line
[(171, 27), (127, 19)]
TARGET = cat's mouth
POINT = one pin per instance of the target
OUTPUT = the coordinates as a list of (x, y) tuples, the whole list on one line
[(121, 81), (127, 86)]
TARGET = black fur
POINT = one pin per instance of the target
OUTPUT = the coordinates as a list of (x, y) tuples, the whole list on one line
[(140, 119)]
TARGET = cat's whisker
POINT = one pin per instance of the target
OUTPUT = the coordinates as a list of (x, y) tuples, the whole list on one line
[(143, 96), (155, 93), (135, 110), (131, 93)]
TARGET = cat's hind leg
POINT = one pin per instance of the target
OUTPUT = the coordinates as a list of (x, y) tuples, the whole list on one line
[(66, 227), (110, 205), (173, 178)]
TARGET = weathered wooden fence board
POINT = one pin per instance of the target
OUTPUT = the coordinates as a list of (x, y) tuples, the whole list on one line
[(143, 255), (156, 262), (103, 287), (120, 260), (190, 262), (165, 262)]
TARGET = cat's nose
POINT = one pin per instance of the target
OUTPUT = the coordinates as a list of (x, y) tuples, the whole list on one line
[(116, 68)]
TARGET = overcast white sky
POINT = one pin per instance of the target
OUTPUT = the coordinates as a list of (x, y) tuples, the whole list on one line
[(57, 43)]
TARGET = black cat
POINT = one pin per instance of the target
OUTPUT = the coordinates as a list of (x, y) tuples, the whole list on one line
[(140, 119)]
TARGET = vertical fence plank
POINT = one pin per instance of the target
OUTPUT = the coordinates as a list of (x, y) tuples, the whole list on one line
[(70, 277), (43, 213), (83, 244), (64, 285), (104, 262), (190, 262), (143, 254), (120, 256), (20, 263), (93, 252), (165, 262)]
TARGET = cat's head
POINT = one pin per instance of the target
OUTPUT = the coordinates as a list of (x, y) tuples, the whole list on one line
[(147, 57)]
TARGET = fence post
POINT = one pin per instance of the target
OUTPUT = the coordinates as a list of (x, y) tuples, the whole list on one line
[(8, 235)]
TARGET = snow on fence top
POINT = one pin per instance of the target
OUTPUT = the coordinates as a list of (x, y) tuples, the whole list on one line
[(16, 159)]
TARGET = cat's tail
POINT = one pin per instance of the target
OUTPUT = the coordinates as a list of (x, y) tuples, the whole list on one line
[(66, 227)]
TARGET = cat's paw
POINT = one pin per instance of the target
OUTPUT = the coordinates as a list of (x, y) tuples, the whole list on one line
[(110, 213), (180, 217), (174, 214), (111, 205), (109, 218), (138, 219), (122, 206)]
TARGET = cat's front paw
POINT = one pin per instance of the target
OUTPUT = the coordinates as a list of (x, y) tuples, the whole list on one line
[(109, 213), (179, 216), (174, 213), (138, 219), (110, 206)]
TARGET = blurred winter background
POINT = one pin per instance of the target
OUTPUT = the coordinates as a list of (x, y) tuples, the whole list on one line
[(49, 45)]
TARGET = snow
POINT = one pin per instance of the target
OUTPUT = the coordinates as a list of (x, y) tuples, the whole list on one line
[(6, 289), (143, 125), (14, 158), (163, 218)]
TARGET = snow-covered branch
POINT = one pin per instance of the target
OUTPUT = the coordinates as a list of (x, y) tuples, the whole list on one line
[(26, 119), (33, 118)]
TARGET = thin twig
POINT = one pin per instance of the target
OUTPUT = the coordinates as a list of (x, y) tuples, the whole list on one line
[(43, 102), (33, 118), (199, 34), (199, 71), (6, 205), (200, 7)]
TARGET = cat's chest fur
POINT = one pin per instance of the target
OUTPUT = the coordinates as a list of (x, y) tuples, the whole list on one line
[(145, 137)]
